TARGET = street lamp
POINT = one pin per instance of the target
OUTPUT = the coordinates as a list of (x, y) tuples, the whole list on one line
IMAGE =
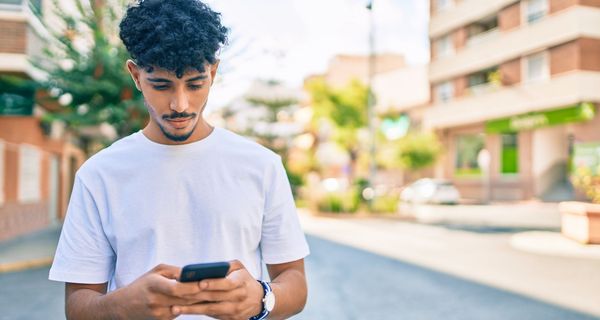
[(371, 102)]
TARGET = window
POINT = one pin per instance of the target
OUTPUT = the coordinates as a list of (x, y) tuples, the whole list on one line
[(468, 147), (536, 67), (535, 10), (444, 92), (29, 174), (444, 46), (442, 5), (510, 154)]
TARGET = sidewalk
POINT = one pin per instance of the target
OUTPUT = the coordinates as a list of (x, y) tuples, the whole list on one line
[(536, 228), (519, 215), (29, 251)]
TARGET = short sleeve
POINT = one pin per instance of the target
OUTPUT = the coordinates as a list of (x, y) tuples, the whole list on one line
[(282, 239), (84, 254)]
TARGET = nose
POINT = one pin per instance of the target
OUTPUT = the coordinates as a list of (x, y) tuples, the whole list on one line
[(179, 102)]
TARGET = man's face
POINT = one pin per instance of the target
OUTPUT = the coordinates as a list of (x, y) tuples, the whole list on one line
[(175, 104)]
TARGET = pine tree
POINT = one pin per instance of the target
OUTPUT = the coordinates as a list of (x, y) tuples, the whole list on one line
[(85, 62)]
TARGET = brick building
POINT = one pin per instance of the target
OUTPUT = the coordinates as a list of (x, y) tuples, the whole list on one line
[(520, 79), (36, 164)]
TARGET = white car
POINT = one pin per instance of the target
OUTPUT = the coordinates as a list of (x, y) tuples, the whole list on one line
[(428, 190)]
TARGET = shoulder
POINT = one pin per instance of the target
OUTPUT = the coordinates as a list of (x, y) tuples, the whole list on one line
[(244, 148), (118, 151)]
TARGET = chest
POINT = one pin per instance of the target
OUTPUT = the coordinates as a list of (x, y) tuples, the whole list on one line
[(200, 209)]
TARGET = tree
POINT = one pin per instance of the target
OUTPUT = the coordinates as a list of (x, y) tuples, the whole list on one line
[(85, 63), (419, 150), (345, 108)]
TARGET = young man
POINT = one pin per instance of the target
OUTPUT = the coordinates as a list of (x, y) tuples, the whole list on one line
[(179, 192)]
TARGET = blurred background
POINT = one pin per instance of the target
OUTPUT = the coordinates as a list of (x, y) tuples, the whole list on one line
[(444, 154)]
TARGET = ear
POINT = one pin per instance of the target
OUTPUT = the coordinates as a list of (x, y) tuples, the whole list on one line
[(134, 70), (213, 71)]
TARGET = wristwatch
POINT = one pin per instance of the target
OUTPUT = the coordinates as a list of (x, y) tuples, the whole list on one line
[(268, 301)]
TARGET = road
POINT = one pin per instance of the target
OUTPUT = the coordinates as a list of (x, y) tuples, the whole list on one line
[(409, 271)]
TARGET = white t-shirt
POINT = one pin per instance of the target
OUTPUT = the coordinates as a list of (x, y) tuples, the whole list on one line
[(138, 203)]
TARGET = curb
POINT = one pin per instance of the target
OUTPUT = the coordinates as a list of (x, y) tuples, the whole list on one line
[(25, 265)]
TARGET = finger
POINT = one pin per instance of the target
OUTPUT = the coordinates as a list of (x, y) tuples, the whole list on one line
[(235, 265), (218, 296), (167, 271), (216, 310), (223, 284)]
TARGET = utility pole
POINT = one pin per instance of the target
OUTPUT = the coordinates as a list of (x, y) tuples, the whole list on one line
[(371, 103)]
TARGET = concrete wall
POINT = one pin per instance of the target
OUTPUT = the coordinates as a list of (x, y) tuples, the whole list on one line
[(18, 217), (549, 157)]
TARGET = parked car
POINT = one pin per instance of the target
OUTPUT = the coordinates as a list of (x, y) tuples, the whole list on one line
[(436, 191)]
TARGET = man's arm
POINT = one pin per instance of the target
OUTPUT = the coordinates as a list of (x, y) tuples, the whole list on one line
[(150, 296), (289, 285)]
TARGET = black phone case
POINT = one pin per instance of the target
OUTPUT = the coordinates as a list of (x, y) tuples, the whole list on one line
[(201, 271)]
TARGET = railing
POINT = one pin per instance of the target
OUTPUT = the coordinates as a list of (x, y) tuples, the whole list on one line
[(483, 37)]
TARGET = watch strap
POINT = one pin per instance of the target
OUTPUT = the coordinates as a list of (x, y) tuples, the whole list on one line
[(266, 290)]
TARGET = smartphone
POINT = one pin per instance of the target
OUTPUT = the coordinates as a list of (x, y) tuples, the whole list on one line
[(201, 271)]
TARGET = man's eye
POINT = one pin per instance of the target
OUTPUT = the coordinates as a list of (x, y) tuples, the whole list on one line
[(195, 86), (160, 87)]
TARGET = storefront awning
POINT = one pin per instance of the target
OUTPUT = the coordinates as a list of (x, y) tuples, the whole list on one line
[(580, 112)]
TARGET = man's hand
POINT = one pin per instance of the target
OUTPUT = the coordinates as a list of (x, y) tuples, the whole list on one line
[(151, 296), (237, 296)]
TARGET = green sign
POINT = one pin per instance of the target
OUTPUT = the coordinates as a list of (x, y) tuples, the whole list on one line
[(16, 96), (15, 105), (395, 128), (578, 113)]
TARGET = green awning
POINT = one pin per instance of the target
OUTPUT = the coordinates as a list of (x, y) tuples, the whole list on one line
[(580, 112)]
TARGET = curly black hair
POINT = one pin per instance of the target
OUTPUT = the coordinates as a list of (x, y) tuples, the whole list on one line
[(175, 35)]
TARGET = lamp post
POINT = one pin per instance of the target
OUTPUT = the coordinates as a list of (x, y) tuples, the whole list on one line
[(371, 102)]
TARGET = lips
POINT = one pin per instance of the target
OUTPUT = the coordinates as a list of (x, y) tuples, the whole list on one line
[(179, 123)]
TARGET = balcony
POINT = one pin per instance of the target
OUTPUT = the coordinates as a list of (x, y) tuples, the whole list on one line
[(26, 40), (464, 13), (492, 103), (553, 30)]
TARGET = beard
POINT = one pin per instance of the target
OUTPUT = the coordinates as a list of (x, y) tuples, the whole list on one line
[(169, 135)]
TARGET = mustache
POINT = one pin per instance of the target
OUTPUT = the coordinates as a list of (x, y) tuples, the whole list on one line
[(176, 115)]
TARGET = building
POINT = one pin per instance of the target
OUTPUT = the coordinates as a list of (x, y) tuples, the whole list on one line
[(37, 162), (344, 68), (520, 79)]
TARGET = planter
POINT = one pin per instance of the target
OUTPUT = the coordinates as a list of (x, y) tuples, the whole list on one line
[(580, 221)]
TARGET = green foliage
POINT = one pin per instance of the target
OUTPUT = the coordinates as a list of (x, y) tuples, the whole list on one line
[(339, 202), (346, 108), (587, 180), (385, 204), (93, 74), (419, 150)]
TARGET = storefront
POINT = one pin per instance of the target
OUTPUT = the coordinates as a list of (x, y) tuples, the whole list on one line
[(530, 154)]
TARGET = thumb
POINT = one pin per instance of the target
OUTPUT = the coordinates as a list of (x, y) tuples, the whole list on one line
[(235, 265), (167, 271)]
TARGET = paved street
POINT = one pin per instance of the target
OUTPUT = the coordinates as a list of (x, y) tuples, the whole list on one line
[(350, 283)]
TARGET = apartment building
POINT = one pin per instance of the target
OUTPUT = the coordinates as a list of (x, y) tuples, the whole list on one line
[(520, 79), (37, 163)]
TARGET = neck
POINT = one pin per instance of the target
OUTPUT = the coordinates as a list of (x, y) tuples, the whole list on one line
[(154, 133)]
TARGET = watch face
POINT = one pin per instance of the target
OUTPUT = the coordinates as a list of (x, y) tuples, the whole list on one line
[(269, 301)]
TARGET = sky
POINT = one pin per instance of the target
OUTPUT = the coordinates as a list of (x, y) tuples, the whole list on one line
[(287, 40)]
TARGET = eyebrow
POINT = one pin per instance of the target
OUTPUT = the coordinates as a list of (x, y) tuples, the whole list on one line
[(163, 80)]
